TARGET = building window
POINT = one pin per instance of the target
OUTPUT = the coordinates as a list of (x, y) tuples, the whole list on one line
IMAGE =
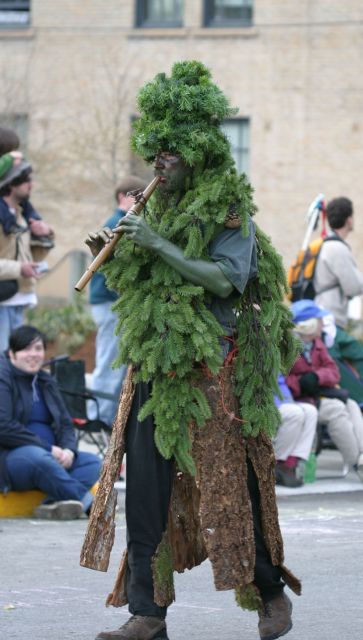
[(238, 134), (227, 13), (14, 13), (159, 13)]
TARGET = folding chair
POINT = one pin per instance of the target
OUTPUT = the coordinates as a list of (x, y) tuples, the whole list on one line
[(71, 378)]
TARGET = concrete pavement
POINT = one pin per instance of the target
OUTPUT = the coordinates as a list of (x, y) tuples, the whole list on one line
[(46, 595)]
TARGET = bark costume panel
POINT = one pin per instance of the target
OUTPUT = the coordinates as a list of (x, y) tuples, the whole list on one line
[(99, 539), (211, 515)]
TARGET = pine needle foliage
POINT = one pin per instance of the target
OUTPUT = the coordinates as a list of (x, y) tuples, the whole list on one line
[(248, 598), (167, 326), (163, 568), (182, 113)]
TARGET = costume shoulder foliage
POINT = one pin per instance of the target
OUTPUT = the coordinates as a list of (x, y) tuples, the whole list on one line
[(167, 326)]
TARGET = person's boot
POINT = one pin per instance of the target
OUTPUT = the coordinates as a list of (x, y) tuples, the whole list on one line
[(275, 617), (286, 476), (138, 628)]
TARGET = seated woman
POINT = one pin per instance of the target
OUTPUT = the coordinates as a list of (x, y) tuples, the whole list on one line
[(38, 447), (315, 377), (295, 436)]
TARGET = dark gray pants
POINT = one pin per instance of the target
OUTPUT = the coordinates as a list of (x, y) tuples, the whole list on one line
[(148, 488)]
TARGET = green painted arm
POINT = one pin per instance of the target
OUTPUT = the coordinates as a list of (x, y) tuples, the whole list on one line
[(200, 272)]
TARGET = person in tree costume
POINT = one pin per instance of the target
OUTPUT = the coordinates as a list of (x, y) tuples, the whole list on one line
[(205, 333)]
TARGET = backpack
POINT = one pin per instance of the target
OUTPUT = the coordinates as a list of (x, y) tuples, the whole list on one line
[(301, 272)]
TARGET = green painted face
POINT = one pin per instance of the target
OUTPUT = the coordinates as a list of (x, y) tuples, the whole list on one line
[(173, 172)]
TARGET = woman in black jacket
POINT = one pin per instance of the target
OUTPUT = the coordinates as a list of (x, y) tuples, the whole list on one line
[(38, 447)]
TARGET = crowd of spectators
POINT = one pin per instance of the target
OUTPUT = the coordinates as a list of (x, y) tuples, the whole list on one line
[(37, 439), (315, 381)]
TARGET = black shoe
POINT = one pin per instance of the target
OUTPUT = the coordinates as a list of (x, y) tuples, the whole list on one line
[(286, 476), (275, 618)]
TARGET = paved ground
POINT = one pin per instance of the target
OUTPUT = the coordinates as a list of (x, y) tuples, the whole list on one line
[(45, 595)]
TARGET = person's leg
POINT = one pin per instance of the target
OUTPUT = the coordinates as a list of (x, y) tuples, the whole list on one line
[(357, 421), (4, 327), (291, 444), (355, 415), (334, 414), (104, 377), (275, 615), (10, 318), (289, 431), (31, 467), (303, 445), (17, 316), (86, 470), (148, 489), (267, 576)]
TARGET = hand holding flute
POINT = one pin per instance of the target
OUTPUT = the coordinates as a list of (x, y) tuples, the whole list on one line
[(103, 242), (96, 240)]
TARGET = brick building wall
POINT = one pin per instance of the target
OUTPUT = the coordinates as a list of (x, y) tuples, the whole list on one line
[(296, 73)]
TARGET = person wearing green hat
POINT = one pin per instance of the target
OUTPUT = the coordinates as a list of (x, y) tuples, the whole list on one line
[(24, 238), (205, 332)]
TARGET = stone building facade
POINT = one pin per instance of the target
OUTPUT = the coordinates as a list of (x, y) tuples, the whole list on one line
[(70, 73)]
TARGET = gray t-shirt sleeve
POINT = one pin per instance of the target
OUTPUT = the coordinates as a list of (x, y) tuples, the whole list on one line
[(235, 255)]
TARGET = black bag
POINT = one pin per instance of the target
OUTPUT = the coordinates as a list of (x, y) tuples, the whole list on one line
[(8, 289), (334, 392)]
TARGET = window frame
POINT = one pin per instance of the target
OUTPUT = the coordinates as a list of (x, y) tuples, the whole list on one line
[(241, 153), (19, 122), (210, 22), (142, 23), (15, 7)]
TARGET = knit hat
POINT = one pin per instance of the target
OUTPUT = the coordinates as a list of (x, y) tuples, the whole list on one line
[(181, 114), (305, 309), (15, 172)]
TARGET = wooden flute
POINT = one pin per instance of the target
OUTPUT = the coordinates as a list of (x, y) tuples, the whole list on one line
[(137, 207)]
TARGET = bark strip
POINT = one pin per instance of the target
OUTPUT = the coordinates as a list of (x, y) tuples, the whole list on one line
[(118, 597), (100, 535)]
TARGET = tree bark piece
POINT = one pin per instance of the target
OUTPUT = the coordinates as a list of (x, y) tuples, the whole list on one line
[(118, 597), (100, 533)]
